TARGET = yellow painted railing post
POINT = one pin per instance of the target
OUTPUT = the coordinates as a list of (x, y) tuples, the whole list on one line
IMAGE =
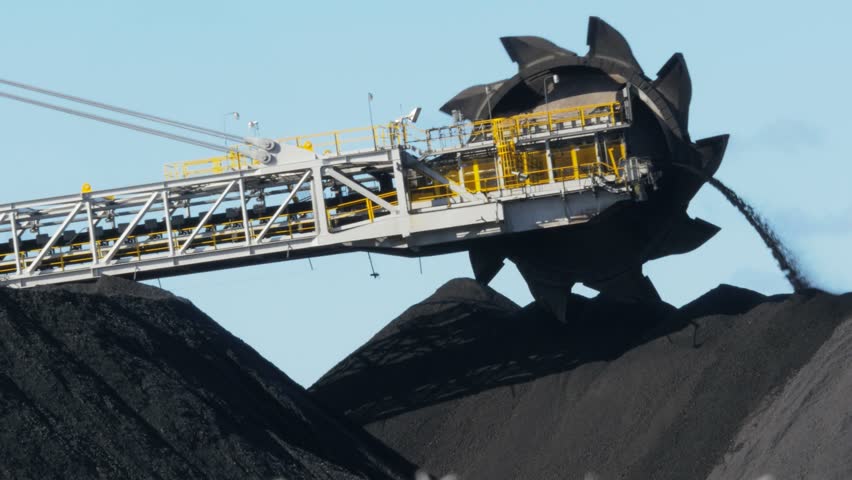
[(611, 152), (504, 132), (370, 210), (476, 175), (574, 163)]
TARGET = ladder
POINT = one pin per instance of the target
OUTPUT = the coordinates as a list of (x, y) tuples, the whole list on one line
[(505, 145)]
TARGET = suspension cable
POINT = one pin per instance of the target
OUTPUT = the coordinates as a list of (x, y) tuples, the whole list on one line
[(131, 126), (133, 113)]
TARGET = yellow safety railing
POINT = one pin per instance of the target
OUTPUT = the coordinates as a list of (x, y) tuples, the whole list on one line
[(231, 162), (222, 233), (337, 142), (517, 127), (573, 162), (503, 130), (218, 234), (359, 207)]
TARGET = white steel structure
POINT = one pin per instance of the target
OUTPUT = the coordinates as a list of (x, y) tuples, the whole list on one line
[(404, 191)]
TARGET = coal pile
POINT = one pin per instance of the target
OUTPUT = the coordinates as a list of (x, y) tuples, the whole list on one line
[(120, 380), (732, 385)]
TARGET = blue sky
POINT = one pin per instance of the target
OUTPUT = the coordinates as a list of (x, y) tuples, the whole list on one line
[(776, 80)]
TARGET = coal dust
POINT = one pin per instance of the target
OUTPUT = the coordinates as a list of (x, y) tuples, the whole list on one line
[(786, 261)]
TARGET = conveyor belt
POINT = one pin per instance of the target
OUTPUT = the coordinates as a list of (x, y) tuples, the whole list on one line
[(408, 195)]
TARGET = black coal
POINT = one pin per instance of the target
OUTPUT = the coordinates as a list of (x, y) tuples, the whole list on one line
[(468, 382), (120, 380)]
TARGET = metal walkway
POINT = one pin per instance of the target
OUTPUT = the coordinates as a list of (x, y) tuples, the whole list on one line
[(394, 189)]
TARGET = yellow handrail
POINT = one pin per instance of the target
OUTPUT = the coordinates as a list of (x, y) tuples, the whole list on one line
[(510, 128)]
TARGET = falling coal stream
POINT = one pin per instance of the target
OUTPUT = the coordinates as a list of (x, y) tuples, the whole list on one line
[(786, 260)]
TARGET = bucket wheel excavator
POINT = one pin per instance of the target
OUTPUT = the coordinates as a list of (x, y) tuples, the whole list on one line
[(565, 169)]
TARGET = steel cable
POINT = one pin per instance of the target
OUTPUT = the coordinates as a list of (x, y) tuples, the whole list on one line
[(119, 123), (125, 111)]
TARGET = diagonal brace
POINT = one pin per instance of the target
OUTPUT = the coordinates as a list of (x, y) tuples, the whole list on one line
[(283, 206), (360, 189), (132, 226), (206, 217), (455, 187), (74, 211)]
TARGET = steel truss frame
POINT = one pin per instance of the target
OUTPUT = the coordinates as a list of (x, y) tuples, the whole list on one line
[(271, 214)]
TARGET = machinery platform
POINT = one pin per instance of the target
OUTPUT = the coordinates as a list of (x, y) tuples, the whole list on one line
[(393, 189)]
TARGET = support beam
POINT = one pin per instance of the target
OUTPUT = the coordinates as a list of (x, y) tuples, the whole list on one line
[(244, 210), (167, 217), (90, 222), (283, 206), (549, 157), (132, 226), (16, 242), (401, 198), (456, 188), (317, 198), (360, 189), (207, 216), (41, 254)]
